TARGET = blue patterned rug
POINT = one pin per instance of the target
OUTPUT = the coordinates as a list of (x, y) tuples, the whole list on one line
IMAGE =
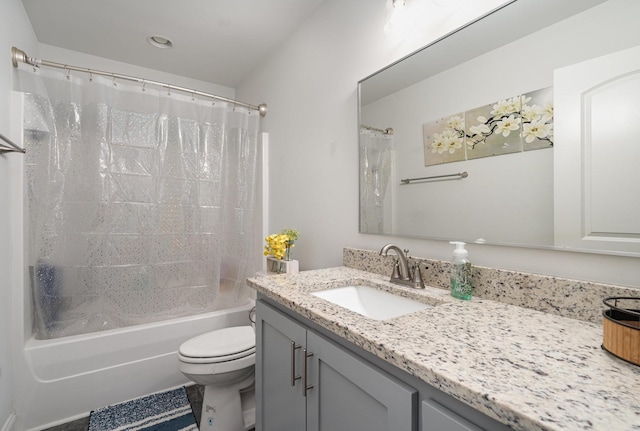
[(166, 411)]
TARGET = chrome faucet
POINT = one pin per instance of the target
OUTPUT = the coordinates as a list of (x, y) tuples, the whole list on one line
[(402, 260), (402, 274)]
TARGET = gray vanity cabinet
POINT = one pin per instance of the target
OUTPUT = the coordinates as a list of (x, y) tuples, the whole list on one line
[(343, 391), (436, 417), (348, 388), (280, 405), (350, 394)]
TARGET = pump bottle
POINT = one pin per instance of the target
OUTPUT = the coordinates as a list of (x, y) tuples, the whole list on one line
[(460, 272)]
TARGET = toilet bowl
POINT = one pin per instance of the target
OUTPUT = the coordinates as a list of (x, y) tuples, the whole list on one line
[(223, 362)]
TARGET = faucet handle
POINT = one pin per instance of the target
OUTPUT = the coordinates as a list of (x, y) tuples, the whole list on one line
[(417, 277), (406, 253), (396, 269)]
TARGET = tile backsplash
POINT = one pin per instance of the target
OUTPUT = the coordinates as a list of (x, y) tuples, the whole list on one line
[(574, 299)]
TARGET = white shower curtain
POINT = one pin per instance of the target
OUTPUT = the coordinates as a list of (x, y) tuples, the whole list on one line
[(140, 202), (376, 157)]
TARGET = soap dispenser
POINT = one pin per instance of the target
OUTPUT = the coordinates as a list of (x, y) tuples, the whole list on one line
[(460, 272)]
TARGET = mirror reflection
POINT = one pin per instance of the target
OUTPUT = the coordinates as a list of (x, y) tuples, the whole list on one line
[(495, 100)]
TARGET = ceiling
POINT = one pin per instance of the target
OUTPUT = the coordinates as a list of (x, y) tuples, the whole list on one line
[(218, 41)]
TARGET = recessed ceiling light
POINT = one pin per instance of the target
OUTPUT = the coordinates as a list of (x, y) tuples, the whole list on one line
[(160, 41)]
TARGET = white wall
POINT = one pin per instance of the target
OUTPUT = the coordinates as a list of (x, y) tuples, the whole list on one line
[(310, 87), (15, 29)]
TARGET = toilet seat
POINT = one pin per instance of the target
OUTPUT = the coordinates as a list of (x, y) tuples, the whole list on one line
[(222, 345)]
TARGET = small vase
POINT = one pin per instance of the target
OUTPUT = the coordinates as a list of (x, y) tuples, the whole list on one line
[(280, 266)]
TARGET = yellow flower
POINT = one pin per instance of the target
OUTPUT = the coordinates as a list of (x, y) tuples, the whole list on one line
[(276, 245), (279, 244)]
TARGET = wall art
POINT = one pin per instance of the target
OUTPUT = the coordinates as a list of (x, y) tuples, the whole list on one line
[(520, 123)]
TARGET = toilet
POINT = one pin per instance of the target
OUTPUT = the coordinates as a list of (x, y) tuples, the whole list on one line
[(223, 362)]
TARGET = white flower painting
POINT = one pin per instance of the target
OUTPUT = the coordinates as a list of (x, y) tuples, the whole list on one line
[(537, 119), (519, 123), (494, 129), (444, 140)]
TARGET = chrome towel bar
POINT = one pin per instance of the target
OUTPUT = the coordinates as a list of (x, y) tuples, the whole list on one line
[(460, 174), (11, 148)]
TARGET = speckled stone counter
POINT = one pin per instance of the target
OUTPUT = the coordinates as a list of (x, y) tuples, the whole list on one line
[(528, 369), (576, 299)]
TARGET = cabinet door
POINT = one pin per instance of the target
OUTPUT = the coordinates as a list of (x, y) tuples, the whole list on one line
[(349, 394), (280, 405), (436, 417)]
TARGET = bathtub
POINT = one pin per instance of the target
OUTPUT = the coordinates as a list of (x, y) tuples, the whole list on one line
[(64, 379)]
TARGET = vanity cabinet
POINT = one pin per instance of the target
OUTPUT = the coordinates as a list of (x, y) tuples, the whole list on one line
[(279, 401), (306, 382), (436, 417), (310, 379)]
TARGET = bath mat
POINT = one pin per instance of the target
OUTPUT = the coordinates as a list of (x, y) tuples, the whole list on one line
[(165, 411)]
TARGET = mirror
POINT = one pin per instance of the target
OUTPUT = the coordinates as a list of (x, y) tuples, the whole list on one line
[(544, 185)]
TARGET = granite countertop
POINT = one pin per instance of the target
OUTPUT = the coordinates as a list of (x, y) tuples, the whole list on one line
[(528, 369)]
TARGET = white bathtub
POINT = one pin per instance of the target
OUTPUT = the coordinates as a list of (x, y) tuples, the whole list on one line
[(63, 379)]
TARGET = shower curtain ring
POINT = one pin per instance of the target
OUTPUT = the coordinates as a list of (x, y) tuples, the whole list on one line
[(193, 99), (90, 76), (67, 72), (114, 80), (143, 84)]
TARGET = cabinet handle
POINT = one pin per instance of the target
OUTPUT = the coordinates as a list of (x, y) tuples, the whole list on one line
[(293, 363), (305, 387)]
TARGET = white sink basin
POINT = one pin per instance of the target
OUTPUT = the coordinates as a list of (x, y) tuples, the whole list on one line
[(370, 302)]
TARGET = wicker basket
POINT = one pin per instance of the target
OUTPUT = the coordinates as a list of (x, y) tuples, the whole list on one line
[(621, 328)]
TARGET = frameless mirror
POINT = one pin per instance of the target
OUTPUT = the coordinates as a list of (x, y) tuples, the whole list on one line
[(487, 135)]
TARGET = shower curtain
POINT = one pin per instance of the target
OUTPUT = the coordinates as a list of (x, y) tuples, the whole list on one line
[(376, 156), (140, 202)]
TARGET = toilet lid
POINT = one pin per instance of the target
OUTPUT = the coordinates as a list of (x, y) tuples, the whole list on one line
[(222, 342)]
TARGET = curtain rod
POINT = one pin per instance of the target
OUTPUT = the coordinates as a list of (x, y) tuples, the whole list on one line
[(18, 55), (387, 131)]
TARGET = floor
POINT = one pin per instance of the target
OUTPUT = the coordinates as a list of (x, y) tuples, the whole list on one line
[(194, 393)]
